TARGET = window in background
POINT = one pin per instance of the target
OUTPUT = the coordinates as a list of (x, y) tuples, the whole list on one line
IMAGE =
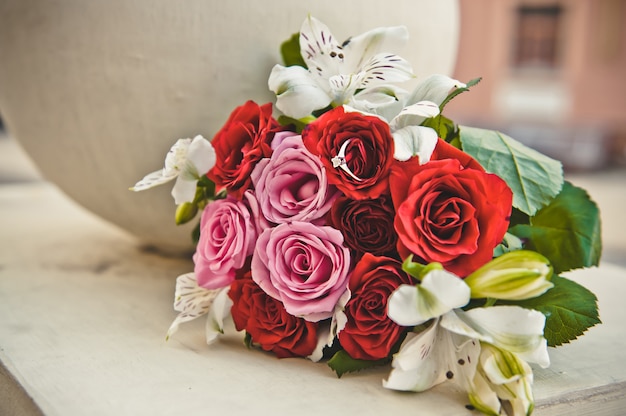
[(537, 37)]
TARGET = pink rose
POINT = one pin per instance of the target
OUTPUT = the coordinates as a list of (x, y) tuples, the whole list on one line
[(227, 235), (292, 185), (303, 265)]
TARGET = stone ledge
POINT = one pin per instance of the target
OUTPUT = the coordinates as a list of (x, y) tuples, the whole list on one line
[(84, 314)]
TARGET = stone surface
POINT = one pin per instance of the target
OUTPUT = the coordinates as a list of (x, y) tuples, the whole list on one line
[(84, 314)]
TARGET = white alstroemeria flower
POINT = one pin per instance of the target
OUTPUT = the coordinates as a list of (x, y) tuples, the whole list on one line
[(186, 161), (339, 73), (432, 357), (511, 328), (435, 354), (448, 349), (193, 301)]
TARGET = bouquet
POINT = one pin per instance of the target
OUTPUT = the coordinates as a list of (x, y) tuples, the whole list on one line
[(362, 228)]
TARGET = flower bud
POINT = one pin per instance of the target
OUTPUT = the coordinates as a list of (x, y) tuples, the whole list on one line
[(517, 275), (504, 375), (185, 212)]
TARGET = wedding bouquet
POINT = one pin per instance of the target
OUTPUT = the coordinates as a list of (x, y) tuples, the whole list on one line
[(364, 228)]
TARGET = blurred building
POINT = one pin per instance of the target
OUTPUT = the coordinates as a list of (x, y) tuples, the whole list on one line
[(554, 75)]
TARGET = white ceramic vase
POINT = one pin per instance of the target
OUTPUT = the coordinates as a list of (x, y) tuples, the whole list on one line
[(97, 91)]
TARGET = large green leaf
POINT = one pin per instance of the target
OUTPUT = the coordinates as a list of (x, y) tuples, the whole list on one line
[(533, 177), (567, 231), (570, 310)]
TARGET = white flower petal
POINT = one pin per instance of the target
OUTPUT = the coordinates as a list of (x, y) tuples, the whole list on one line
[(328, 331), (184, 190), (509, 377), (191, 300), (323, 335), (439, 292), (416, 366), (343, 86), (359, 49), (402, 306), (384, 101), (482, 397), (151, 180), (297, 93), (435, 88), (511, 328), (384, 68), (431, 357), (317, 45), (415, 114), (414, 141), (201, 154), (176, 157), (218, 314)]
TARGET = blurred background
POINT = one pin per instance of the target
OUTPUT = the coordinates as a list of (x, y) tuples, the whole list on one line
[(553, 78)]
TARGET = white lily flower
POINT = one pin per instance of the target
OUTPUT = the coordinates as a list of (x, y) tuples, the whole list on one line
[(186, 161), (193, 301), (338, 73)]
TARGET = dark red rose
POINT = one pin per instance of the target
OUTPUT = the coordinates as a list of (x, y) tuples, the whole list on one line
[(267, 322), (449, 214), (366, 225), (369, 334), (356, 150), (240, 144)]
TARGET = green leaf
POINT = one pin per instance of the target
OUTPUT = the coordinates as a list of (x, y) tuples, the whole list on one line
[(458, 91), (568, 231), (533, 177), (445, 128), (342, 363), (298, 125), (290, 51), (570, 310)]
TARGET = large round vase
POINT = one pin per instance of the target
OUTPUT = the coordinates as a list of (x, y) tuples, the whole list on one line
[(97, 91)]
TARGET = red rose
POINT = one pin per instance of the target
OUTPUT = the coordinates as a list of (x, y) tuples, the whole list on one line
[(448, 213), (356, 150), (366, 225), (369, 334), (444, 150), (267, 322), (240, 144)]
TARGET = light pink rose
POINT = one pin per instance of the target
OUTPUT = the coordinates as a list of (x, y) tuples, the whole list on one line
[(303, 265), (227, 236), (292, 185)]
